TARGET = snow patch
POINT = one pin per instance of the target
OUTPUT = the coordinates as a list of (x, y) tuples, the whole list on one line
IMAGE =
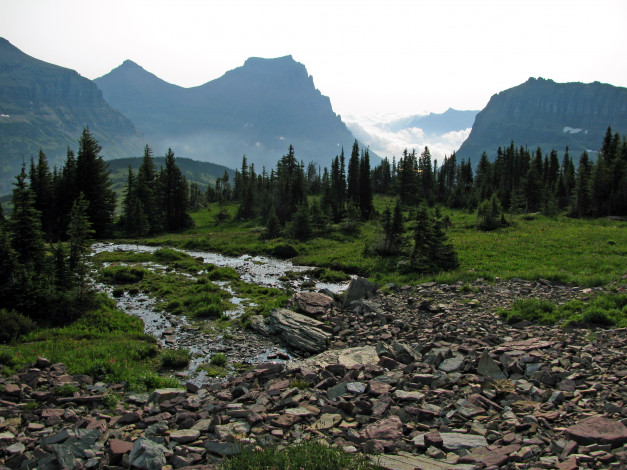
[(4, 116), (572, 130)]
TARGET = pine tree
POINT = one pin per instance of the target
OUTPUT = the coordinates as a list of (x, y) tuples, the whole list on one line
[(353, 175), (582, 199), (174, 193), (27, 238), (365, 186), (92, 179), (79, 235), (146, 187)]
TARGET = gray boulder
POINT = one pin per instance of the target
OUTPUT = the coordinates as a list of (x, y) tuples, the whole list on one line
[(312, 304), (359, 288), (147, 455), (299, 331)]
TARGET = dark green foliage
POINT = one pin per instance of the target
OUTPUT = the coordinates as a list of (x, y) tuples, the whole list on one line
[(173, 196), (301, 223), (175, 358), (92, 179), (604, 310), (431, 251), (307, 455), (490, 214), (284, 251), (122, 274), (14, 325)]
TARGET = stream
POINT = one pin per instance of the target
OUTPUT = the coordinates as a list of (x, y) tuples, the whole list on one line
[(176, 331)]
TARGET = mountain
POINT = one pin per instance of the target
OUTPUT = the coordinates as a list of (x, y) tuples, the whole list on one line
[(436, 124), (550, 115), (44, 106), (256, 110)]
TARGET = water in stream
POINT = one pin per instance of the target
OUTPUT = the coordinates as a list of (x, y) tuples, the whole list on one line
[(239, 346)]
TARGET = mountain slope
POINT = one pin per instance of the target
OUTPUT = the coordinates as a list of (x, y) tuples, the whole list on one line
[(550, 115), (258, 109), (44, 106), (436, 123)]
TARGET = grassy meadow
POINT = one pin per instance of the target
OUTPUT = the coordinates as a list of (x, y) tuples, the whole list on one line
[(585, 252)]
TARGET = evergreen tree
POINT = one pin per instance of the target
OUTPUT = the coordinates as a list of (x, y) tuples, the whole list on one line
[(27, 238), (365, 186), (301, 223), (92, 179), (353, 175), (79, 235), (41, 185), (174, 192), (146, 187), (582, 199)]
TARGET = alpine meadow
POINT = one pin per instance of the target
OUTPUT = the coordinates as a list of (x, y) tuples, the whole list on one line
[(268, 292)]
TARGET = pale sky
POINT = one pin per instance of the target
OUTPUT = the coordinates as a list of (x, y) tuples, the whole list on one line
[(372, 58)]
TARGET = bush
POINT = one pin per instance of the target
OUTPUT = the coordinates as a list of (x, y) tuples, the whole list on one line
[(14, 325), (218, 359), (535, 310), (169, 254), (284, 251), (175, 358), (122, 275)]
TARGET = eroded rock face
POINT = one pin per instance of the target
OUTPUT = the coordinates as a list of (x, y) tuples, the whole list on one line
[(299, 331), (515, 397)]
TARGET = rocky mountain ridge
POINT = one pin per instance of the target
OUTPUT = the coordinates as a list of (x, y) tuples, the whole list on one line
[(550, 115), (256, 110), (44, 106), (423, 376)]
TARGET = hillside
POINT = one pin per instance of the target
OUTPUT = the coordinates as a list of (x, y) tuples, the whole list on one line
[(256, 110), (550, 115), (44, 106), (202, 173)]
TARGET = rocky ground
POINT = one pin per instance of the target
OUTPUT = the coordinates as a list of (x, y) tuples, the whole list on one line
[(421, 377)]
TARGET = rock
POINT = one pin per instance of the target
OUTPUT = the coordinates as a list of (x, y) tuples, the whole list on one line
[(184, 436), (147, 455), (299, 331), (452, 364), (485, 457), (161, 395), (387, 429), (224, 449), (454, 441), (326, 421), (598, 430), (312, 304), (489, 368), (359, 288)]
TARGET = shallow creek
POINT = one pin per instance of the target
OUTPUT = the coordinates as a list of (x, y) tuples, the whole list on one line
[(176, 331)]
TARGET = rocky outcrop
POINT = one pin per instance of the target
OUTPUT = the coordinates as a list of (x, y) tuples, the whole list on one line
[(312, 304), (451, 386), (299, 331), (550, 115)]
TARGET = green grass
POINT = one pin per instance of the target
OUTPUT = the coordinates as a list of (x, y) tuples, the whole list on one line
[(105, 344), (586, 252), (308, 455), (603, 310)]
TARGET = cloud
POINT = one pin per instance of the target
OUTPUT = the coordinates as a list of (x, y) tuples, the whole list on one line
[(386, 143)]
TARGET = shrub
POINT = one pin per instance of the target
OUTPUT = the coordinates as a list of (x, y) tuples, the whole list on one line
[(218, 359), (110, 399), (66, 390), (175, 358), (538, 310), (169, 254), (122, 274), (14, 325), (284, 251)]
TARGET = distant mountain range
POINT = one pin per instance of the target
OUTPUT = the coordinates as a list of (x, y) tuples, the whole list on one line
[(43, 106), (543, 113), (450, 120), (256, 110), (262, 107)]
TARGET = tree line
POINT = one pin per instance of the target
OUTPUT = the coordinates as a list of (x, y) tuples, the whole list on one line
[(56, 213)]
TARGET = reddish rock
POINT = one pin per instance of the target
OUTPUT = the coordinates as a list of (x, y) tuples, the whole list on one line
[(117, 448), (386, 429), (312, 304), (570, 464), (285, 421), (486, 457), (598, 430)]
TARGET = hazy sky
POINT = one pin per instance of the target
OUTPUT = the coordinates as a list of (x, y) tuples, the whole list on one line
[(372, 58)]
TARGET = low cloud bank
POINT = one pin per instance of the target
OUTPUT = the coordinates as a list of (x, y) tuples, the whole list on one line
[(387, 143)]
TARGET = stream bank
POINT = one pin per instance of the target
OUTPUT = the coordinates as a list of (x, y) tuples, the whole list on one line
[(240, 346)]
